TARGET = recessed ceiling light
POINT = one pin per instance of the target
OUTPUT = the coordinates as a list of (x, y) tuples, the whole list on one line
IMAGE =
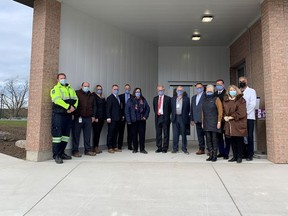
[(196, 37), (207, 18)]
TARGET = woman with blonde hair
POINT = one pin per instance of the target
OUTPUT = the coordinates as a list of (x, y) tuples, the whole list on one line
[(235, 116)]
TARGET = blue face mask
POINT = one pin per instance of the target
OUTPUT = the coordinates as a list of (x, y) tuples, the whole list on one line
[(199, 90), (115, 92), (63, 81), (85, 89), (232, 93), (137, 94), (209, 93), (127, 91), (99, 91), (160, 93), (219, 87), (179, 92)]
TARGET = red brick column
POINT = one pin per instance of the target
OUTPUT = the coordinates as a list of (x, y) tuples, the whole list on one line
[(44, 67), (275, 56)]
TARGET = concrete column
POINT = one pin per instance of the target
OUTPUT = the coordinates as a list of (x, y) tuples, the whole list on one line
[(275, 56), (44, 68)]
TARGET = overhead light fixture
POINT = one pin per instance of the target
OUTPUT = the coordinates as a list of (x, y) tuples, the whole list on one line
[(196, 37), (207, 18)]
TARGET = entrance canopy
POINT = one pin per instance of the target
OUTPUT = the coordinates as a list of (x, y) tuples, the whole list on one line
[(173, 22)]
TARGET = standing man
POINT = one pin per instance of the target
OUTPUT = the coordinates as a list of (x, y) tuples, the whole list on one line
[(180, 108), (83, 118), (124, 98), (196, 117), (224, 148), (114, 116), (162, 109), (251, 98), (65, 102)]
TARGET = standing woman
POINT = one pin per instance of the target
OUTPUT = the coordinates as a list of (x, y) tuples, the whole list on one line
[(212, 115), (137, 112), (235, 117), (100, 106)]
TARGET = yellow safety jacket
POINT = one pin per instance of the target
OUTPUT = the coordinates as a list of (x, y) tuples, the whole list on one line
[(63, 97)]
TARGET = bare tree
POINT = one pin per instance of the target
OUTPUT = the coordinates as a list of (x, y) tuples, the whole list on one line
[(15, 95)]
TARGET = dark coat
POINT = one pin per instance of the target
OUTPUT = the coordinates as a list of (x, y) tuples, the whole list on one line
[(210, 113), (113, 108), (130, 110), (185, 109), (85, 104), (196, 110), (221, 96), (237, 109), (166, 108), (123, 104), (100, 106)]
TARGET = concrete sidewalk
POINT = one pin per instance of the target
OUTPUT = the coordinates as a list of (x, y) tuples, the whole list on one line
[(126, 184)]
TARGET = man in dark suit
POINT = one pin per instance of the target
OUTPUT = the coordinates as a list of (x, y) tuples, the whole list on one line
[(124, 98), (114, 116), (180, 106), (162, 109), (224, 148), (196, 117)]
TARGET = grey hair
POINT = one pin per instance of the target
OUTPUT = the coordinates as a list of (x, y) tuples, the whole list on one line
[(210, 87)]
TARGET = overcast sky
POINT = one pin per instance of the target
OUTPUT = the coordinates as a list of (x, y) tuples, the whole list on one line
[(15, 40)]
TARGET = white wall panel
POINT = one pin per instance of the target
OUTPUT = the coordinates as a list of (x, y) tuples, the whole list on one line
[(193, 64), (101, 54)]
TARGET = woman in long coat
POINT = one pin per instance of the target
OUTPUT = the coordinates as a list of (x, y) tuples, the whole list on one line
[(235, 117)]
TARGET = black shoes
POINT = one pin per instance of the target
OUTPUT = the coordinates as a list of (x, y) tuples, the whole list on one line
[(209, 159), (186, 152), (144, 152), (239, 160), (174, 151), (130, 148), (66, 157), (226, 157), (220, 155), (158, 151), (232, 160), (58, 159), (164, 151), (249, 159), (134, 151), (214, 159)]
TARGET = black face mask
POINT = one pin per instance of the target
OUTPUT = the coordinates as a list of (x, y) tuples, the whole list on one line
[(242, 84)]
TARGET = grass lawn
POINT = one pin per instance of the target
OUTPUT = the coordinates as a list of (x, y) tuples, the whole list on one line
[(13, 123)]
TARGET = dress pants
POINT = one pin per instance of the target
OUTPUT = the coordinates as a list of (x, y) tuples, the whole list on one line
[(139, 130), (121, 134), (224, 147), (200, 135), (250, 146), (61, 127), (86, 126), (97, 128), (237, 144), (162, 126), (212, 143), (179, 128), (112, 134)]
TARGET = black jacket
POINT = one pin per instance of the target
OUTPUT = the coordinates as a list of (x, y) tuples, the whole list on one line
[(185, 109), (100, 107), (166, 107), (113, 108)]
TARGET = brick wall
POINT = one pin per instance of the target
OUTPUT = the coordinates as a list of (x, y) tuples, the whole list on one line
[(248, 48)]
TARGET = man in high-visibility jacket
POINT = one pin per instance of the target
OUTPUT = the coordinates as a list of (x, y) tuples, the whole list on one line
[(65, 102)]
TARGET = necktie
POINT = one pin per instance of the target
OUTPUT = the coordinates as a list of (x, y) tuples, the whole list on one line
[(159, 104)]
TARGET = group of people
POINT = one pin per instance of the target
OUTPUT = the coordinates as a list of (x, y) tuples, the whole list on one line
[(221, 117)]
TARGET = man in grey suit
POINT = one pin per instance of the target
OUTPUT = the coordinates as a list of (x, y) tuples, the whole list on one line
[(196, 117)]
